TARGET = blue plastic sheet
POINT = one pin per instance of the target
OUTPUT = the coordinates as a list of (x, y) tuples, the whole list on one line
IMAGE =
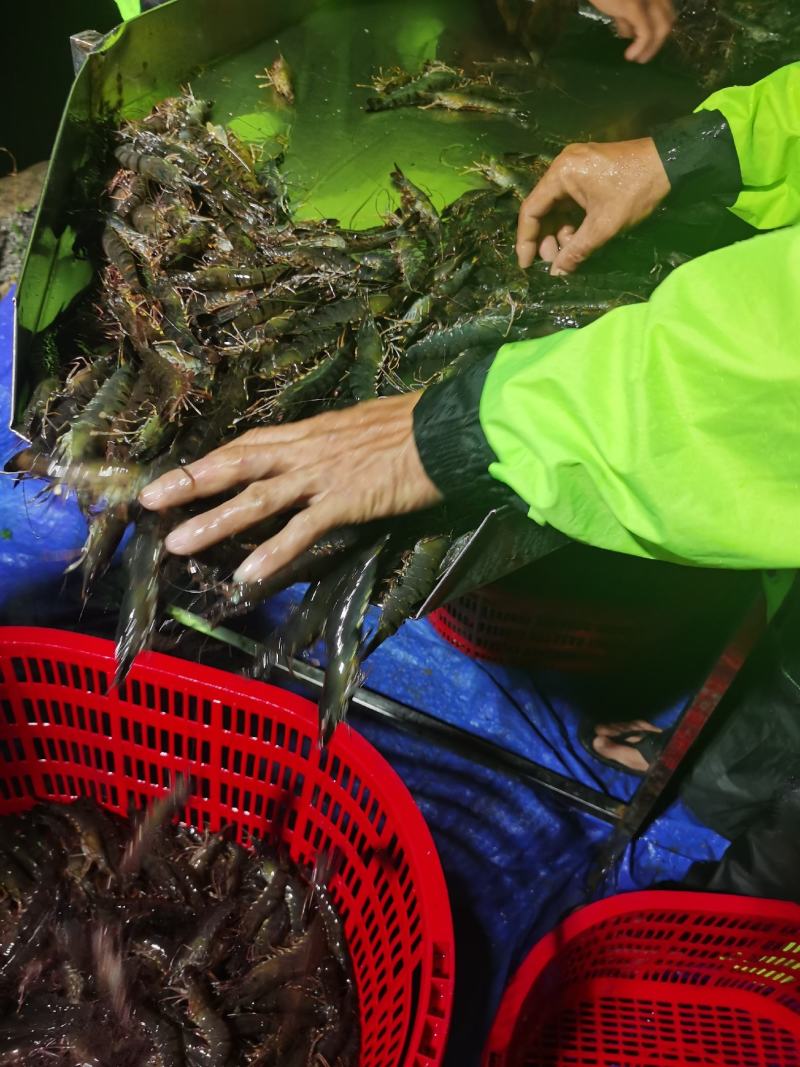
[(38, 538), (516, 859)]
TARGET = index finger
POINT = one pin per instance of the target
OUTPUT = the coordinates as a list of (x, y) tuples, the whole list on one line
[(536, 205), (662, 16), (224, 468), (642, 23)]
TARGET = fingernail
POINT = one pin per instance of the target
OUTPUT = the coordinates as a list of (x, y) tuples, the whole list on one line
[(557, 272), (150, 496), (178, 541), (244, 573)]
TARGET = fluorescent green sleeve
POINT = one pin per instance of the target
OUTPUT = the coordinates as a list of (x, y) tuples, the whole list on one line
[(765, 122), (669, 429), (128, 9)]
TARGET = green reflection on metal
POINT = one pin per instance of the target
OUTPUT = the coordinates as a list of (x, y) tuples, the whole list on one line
[(259, 127), (55, 271), (417, 39), (337, 158)]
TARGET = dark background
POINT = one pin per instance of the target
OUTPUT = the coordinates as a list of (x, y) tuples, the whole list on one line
[(36, 69)]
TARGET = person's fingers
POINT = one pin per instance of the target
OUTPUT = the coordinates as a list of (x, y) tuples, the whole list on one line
[(624, 28), (296, 536), (548, 248), (668, 8), (564, 233), (258, 501), (220, 470), (259, 452), (662, 15), (589, 236), (539, 202), (528, 229), (644, 33)]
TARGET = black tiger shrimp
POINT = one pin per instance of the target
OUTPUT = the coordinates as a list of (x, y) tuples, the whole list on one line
[(215, 312), (108, 957)]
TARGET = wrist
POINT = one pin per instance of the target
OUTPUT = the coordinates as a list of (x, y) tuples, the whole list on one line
[(450, 441), (656, 185)]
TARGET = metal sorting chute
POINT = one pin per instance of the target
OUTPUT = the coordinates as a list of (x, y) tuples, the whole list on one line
[(124, 73), (217, 49), (505, 541)]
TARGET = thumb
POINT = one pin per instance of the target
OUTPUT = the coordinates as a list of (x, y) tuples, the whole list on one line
[(539, 202), (589, 236)]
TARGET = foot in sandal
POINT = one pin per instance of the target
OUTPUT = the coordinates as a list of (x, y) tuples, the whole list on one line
[(631, 746)]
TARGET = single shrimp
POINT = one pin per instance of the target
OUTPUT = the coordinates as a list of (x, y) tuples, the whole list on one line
[(278, 76), (209, 1022), (343, 638), (149, 827), (149, 166), (80, 441), (137, 617), (417, 202), (456, 101), (364, 377), (292, 963)]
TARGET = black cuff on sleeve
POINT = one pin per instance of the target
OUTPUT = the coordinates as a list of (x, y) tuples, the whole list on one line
[(451, 442), (699, 156)]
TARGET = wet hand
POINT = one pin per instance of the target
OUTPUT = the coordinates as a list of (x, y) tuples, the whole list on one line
[(647, 22), (615, 185), (342, 467)]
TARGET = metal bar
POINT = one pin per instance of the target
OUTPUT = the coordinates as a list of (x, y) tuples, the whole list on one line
[(471, 746), (460, 741), (686, 732)]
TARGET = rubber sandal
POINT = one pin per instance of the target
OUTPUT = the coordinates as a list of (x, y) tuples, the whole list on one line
[(650, 745)]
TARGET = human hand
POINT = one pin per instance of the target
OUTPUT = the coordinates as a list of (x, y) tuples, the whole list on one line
[(648, 22), (338, 468), (616, 185)]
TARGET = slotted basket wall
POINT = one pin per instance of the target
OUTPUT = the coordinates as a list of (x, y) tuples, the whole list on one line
[(658, 979), (251, 751), (501, 626)]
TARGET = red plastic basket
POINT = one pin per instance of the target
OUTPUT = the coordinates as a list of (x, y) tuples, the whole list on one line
[(658, 979), (498, 625), (598, 613), (252, 752)]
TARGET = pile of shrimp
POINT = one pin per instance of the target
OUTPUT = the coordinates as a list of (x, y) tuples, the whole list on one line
[(214, 311), (143, 942), (736, 41)]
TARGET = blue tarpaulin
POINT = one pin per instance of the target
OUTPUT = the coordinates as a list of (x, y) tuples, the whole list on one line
[(515, 858)]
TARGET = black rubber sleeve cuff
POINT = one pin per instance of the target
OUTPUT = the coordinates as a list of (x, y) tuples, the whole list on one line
[(699, 156), (451, 442)]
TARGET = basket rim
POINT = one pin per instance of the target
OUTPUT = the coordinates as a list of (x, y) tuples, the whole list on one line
[(591, 915), (417, 838)]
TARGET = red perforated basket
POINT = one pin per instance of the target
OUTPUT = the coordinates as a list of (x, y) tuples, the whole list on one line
[(658, 979), (251, 750), (499, 625), (598, 613)]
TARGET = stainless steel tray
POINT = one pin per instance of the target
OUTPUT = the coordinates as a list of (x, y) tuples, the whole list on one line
[(338, 158)]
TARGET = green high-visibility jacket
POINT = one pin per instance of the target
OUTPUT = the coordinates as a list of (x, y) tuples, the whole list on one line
[(669, 429), (128, 9)]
